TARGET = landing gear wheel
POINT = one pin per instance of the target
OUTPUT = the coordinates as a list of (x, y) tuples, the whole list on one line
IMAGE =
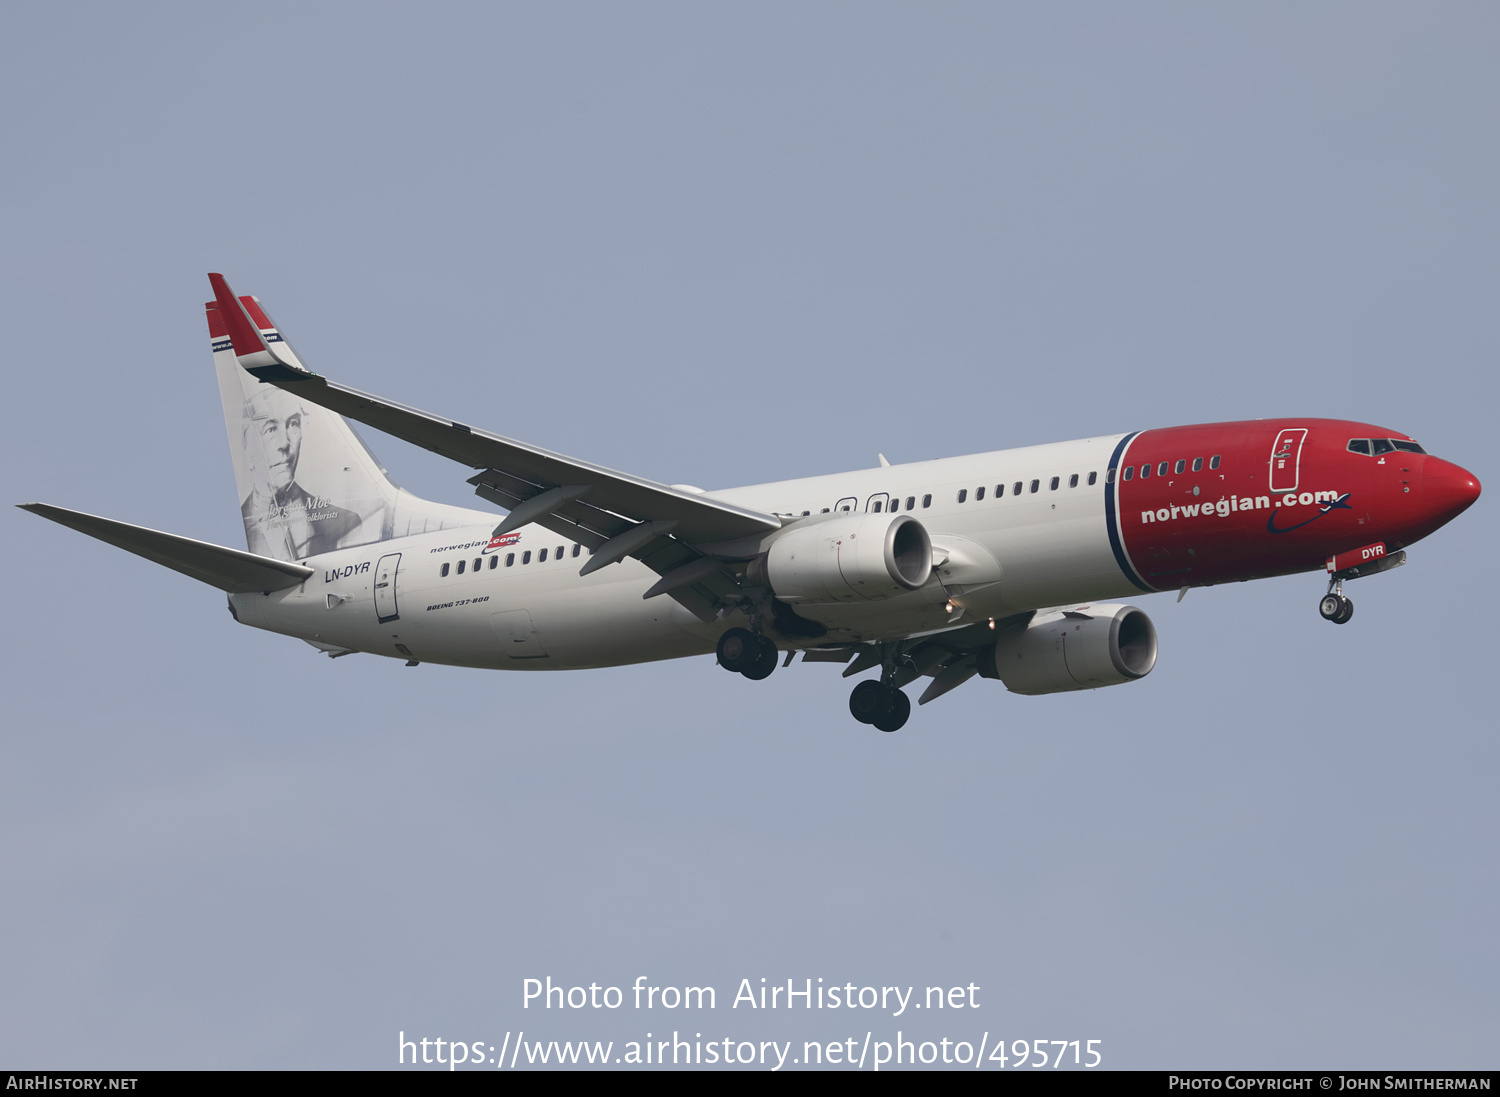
[(1336, 608), (764, 662), (898, 712), (868, 701), (738, 649), (886, 707)]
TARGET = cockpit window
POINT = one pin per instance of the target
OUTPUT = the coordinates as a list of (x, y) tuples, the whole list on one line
[(1374, 447)]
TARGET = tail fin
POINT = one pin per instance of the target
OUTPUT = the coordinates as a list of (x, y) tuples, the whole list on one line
[(307, 483)]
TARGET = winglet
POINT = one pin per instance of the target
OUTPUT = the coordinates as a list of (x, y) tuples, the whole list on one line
[(250, 347)]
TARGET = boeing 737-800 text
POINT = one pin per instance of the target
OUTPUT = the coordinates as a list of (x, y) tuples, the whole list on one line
[(999, 565)]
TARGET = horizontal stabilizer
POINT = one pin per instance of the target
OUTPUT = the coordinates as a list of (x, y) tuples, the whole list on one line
[(226, 568)]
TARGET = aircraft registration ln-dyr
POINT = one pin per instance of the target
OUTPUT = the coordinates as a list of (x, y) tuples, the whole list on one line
[(998, 565)]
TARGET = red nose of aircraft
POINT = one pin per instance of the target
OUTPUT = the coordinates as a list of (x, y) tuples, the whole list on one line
[(1447, 489)]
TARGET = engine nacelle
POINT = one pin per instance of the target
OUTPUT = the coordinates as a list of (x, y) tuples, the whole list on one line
[(1083, 647), (847, 558)]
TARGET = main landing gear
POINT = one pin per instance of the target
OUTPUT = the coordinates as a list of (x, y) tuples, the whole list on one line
[(878, 702), (1335, 606), (881, 704), (743, 652)]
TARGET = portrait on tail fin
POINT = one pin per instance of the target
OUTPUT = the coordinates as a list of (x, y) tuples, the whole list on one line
[(282, 518), (307, 483)]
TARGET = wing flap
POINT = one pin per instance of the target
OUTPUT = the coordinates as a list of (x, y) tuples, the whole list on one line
[(950, 657), (228, 569), (574, 518)]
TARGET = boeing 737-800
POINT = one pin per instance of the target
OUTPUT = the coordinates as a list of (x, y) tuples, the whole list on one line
[(999, 565)]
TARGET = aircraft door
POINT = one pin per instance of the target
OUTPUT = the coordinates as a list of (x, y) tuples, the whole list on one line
[(1286, 458), (385, 587), (848, 503), (878, 502)]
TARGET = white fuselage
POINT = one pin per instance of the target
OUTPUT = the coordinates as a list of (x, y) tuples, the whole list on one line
[(996, 557)]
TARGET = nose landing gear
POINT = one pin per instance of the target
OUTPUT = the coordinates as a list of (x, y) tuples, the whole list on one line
[(1335, 606), (1370, 560)]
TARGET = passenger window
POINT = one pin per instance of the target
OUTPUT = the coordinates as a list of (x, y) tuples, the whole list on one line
[(1161, 469), (1015, 488), (1109, 477), (461, 566), (541, 557), (999, 491), (1408, 447), (1197, 464), (510, 559), (1073, 480), (963, 493), (824, 511), (1359, 445), (875, 507), (477, 563), (494, 562), (911, 503), (1181, 467), (1036, 486), (1129, 471), (1381, 445), (978, 494), (1055, 481), (1094, 478), (1213, 462), (926, 501), (526, 557), (558, 554), (579, 548), (1145, 472), (445, 571)]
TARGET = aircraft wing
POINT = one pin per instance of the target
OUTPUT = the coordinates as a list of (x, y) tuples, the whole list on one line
[(226, 568), (585, 502), (950, 658)]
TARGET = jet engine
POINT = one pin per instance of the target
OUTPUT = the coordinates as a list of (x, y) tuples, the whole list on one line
[(1082, 647), (847, 558)]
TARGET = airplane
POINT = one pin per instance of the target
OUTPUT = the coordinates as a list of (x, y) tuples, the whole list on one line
[(998, 565)]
